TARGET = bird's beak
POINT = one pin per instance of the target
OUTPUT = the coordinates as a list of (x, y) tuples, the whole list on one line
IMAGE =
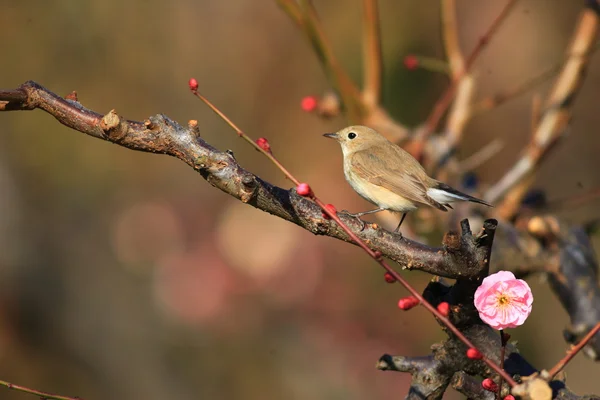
[(331, 135)]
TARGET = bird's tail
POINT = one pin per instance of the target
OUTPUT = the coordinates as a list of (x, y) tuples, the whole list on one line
[(444, 194)]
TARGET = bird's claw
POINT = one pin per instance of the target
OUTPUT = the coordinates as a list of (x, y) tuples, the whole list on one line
[(364, 224)]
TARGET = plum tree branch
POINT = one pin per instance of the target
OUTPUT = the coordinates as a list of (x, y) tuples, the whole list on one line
[(460, 256)]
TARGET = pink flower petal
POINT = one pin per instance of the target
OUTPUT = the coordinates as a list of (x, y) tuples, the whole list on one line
[(503, 301), (498, 277)]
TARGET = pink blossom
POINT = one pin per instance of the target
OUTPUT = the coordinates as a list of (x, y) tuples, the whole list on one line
[(503, 301)]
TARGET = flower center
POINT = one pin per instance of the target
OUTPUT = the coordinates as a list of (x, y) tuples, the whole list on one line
[(503, 299)]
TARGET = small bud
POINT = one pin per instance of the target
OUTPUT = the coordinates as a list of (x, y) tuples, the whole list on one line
[(444, 308), (411, 62), (509, 397), (309, 103), (72, 96), (331, 208), (193, 126), (389, 279), (406, 303), (489, 385), (193, 83), (263, 144), (304, 189), (474, 354)]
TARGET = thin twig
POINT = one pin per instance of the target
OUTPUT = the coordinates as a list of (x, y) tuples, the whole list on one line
[(40, 394), (491, 102), (442, 104), (349, 93), (503, 340), (372, 59), (575, 200), (573, 352), (481, 156), (455, 57), (292, 9), (377, 256)]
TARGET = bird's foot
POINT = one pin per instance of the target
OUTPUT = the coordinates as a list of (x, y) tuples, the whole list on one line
[(357, 216)]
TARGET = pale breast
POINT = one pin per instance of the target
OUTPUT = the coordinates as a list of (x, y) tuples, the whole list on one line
[(377, 194)]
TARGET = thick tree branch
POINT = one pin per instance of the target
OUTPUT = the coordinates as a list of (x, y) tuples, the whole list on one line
[(461, 256)]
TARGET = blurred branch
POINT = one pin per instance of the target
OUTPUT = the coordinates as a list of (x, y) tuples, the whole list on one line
[(481, 156), (306, 17), (360, 107), (41, 395), (499, 99), (372, 61), (442, 105), (450, 38), (558, 107)]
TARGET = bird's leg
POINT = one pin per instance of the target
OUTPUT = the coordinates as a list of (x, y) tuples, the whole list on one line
[(400, 224), (360, 214)]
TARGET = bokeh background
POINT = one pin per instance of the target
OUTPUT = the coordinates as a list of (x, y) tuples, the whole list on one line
[(125, 275)]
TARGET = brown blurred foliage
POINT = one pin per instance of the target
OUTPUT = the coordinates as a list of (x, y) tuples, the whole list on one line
[(125, 276)]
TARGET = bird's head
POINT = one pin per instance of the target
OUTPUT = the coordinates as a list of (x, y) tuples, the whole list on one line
[(356, 138)]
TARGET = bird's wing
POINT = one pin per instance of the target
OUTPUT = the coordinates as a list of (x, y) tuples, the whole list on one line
[(375, 171)]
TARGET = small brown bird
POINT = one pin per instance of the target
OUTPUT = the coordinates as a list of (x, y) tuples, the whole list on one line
[(389, 177)]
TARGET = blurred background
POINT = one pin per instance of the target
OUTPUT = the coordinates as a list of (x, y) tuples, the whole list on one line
[(125, 275)]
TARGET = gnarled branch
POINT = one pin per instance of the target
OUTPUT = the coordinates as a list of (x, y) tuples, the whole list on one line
[(462, 255)]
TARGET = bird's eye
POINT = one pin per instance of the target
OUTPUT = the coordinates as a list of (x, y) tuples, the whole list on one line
[(351, 135)]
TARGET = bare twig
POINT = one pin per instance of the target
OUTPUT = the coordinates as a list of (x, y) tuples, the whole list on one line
[(372, 62), (499, 99), (573, 352), (450, 38), (40, 394), (292, 9), (305, 16), (573, 201), (503, 340), (481, 156), (442, 104), (558, 106)]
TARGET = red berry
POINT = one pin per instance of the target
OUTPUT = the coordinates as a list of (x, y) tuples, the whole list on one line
[(406, 303), (489, 385), (309, 103), (509, 397), (263, 144), (411, 62), (389, 278), (193, 83), (474, 354), (444, 308), (331, 208), (303, 189)]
